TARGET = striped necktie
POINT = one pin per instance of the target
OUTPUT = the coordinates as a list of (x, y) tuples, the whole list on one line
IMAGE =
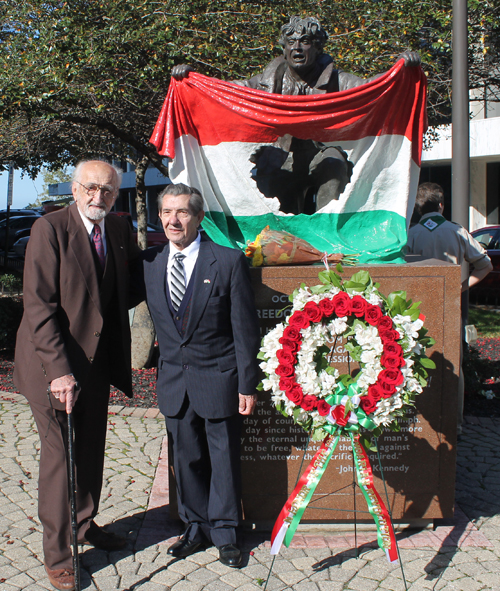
[(99, 246), (177, 281)]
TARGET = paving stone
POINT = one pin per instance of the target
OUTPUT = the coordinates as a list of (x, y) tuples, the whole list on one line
[(107, 582), (236, 578), (186, 586), (330, 586), (166, 577)]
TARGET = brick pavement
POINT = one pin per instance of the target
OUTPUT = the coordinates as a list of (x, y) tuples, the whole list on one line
[(463, 555)]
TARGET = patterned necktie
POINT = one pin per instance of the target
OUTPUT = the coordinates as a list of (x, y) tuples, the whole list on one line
[(177, 281), (99, 246)]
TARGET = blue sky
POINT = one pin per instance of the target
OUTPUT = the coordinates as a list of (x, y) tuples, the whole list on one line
[(25, 190)]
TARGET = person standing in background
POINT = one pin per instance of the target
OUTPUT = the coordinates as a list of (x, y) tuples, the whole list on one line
[(435, 237)]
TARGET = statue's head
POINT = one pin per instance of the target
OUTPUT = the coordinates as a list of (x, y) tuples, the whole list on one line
[(302, 40)]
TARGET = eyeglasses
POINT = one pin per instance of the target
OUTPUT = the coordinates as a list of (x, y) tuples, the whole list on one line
[(91, 189)]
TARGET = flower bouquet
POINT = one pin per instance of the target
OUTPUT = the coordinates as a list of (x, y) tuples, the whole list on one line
[(274, 247)]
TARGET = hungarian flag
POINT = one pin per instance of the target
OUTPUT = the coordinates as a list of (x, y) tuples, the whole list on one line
[(212, 130)]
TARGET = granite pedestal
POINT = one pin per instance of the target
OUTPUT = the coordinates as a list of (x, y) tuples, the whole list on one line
[(418, 462)]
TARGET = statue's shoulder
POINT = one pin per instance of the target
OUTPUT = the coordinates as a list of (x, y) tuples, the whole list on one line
[(328, 80), (272, 76)]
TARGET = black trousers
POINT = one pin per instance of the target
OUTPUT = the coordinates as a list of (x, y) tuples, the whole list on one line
[(206, 460)]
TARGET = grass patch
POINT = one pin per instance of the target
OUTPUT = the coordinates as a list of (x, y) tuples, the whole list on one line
[(486, 321)]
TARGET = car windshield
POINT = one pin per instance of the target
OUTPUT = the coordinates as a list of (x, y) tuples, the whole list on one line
[(17, 221), (488, 238)]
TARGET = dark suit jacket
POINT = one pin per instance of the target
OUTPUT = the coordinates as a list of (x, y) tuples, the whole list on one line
[(216, 358), (63, 319)]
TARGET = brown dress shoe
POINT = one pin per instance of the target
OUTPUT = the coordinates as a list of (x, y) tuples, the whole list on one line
[(100, 538), (61, 578)]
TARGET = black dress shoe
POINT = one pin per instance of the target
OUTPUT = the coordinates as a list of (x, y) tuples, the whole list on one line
[(99, 538), (184, 548), (230, 555)]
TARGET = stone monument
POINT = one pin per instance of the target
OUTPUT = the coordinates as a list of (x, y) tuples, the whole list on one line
[(418, 462)]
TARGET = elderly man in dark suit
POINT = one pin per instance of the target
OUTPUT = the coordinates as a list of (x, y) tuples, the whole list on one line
[(201, 301), (73, 342)]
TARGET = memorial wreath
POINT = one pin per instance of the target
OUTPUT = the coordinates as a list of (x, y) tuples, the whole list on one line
[(386, 339)]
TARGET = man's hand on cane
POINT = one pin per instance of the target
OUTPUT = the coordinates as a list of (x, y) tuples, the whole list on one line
[(65, 389)]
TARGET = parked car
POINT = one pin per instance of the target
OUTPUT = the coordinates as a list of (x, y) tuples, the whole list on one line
[(16, 224), (17, 213), (156, 234), (20, 247), (488, 290)]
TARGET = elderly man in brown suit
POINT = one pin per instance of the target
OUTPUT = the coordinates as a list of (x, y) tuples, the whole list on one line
[(73, 342)]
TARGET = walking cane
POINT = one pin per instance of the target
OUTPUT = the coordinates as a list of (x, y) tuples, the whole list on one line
[(72, 494)]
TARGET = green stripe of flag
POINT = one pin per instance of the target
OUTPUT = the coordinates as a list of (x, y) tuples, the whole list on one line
[(376, 236)]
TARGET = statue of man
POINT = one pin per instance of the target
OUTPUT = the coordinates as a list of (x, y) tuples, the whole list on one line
[(305, 175)]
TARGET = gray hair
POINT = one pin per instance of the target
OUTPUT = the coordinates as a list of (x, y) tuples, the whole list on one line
[(78, 170), (429, 197), (195, 197), (305, 26)]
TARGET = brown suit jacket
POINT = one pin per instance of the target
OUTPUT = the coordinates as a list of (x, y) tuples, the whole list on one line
[(63, 320)]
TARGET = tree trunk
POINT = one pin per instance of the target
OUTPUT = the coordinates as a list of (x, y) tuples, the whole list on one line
[(140, 203)]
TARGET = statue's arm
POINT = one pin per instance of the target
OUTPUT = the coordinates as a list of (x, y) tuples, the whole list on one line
[(346, 80), (253, 82), (181, 71)]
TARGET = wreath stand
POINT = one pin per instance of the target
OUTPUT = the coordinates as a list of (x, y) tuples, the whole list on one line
[(355, 510)]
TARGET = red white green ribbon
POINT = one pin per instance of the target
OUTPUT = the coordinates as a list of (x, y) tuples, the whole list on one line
[(291, 514), (385, 532)]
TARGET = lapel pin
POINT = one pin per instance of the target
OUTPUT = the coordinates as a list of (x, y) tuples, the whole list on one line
[(206, 281)]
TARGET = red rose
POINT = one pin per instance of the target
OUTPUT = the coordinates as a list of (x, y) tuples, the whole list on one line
[(391, 376), (313, 311), (327, 307), (299, 320), (285, 371), (309, 402), (338, 414), (387, 389), (342, 304), (358, 305), (286, 383), (368, 404), (384, 323), (295, 394), (393, 349), (388, 335), (292, 333), (373, 314), (375, 392), (286, 357), (323, 407), (289, 345), (392, 361)]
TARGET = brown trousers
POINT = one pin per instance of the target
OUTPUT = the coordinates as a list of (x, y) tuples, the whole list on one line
[(90, 424)]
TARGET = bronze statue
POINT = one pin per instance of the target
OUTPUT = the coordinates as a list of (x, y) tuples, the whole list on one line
[(303, 174)]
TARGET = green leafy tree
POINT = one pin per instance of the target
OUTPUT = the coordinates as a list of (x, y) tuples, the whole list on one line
[(51, 177), (87, 78)]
